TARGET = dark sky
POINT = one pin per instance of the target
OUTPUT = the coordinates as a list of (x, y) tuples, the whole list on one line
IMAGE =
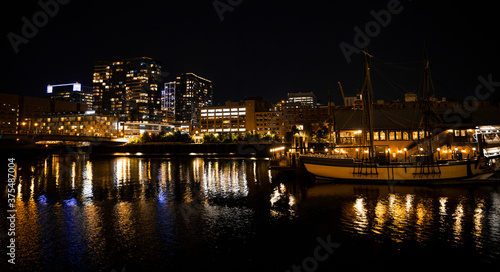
[(264, 48)]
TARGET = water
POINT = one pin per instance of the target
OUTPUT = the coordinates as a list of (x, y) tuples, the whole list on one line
[(81, 213)]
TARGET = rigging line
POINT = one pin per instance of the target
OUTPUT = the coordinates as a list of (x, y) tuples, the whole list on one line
[(398, 67), (347, 121), (395, 64), (392, 120), (392, 82)]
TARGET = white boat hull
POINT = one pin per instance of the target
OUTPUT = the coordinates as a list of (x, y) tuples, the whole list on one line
[(347, 169)]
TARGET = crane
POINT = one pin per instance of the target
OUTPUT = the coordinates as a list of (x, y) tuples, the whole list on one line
[(342, 91)]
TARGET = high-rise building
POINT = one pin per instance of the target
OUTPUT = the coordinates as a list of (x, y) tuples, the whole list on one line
[(168, 97), (71, 92), (191, 92), (128, 89)]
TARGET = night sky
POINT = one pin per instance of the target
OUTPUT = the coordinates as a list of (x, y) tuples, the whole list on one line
[(263, 48)]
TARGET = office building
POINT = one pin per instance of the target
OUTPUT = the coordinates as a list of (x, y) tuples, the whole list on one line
[(191, 93), (128, 88), (234, 117), (71, 92), (18, 113), (298, 100)]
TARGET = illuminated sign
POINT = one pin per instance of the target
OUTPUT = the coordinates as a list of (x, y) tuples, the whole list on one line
[(77, 87)]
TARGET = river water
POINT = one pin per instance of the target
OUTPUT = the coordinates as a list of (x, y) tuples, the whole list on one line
[(91, 213)]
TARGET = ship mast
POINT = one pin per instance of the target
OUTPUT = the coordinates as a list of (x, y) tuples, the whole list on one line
[(427, 107), (367, 94)]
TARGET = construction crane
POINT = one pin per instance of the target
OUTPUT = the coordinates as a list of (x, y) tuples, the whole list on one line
[(342, 91)]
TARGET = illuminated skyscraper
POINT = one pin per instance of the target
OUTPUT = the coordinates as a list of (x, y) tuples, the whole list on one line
[(168, 97), (191, 92), (128, 88)]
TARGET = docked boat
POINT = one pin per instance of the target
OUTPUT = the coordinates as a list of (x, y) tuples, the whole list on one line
[(427, 158)]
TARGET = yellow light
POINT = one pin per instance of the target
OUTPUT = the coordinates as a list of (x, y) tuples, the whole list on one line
[(456, 149), (450, 130), (438, 149), (404, 149)]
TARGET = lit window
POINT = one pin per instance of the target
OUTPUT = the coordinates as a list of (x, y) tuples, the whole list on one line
[(382, 136), (391, 136), (398, 136), (406, 136)]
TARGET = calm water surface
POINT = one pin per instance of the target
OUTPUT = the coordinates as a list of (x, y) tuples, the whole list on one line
[(81, 213)]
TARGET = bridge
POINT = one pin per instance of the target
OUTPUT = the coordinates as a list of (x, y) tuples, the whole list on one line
[(33, 138)]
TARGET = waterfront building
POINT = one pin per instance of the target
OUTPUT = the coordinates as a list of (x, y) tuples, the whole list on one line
[(397, 132), (88, 123), (128, 88), (71, 92), (135, 129), (270, 122), (191, 93), (234, 117), (17, 112), (305, 118)]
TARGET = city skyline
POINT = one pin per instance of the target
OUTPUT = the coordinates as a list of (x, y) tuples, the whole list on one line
[(257, 49)]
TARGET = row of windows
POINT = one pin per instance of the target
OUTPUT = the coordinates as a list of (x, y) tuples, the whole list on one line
[(268, 124)]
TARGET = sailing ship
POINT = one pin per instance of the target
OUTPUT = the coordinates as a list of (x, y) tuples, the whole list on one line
[(424, 165)]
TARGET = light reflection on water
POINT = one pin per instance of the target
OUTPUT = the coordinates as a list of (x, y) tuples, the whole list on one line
[(102, 213), (453, 216)]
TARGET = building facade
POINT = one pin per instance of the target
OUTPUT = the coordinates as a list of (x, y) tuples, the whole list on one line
[(18, 113), (71, 92), (270, 122), (168, 97), (301, 99), (235, 117), (191, 93), (128, 88), (78, 124)]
